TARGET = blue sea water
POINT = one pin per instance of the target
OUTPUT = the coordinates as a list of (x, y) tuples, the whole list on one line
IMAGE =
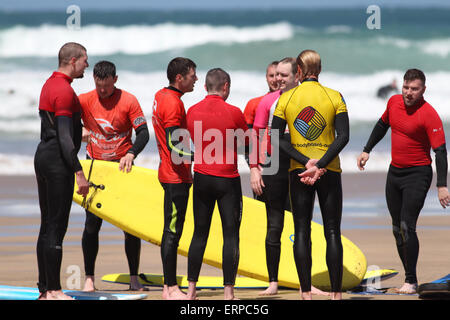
[(356, 61)]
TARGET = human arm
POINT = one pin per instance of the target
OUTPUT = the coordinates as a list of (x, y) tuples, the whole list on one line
[(142, 137), (173, 135), (313, 167), (64, 133), (441, 172), (379, 131), (278, 141)]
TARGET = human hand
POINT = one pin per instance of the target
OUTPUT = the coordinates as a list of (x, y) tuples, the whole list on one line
[(85, 136), (311, 175), (83, 185), (444, 196), (362, 160), (256, 180), (126, 162)]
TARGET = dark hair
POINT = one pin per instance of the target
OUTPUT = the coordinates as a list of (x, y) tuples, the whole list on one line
[(215, 79), (104, 69), (414, 74), (68, 51), (179, 65)]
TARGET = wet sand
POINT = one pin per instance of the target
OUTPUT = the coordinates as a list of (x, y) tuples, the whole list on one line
[(18, 236)]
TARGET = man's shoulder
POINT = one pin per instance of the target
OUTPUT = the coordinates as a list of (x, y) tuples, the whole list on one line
[(166, 96)]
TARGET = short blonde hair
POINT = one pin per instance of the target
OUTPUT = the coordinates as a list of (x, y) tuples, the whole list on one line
[(309, 62)]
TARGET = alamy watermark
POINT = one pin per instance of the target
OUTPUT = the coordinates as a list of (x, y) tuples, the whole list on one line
[(73, 22), (213, 147), (73, 282), (374, 20)]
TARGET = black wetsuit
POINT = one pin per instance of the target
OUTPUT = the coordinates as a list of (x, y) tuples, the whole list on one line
[(228, 194), (55, 163), (90, 239), (276, 198)]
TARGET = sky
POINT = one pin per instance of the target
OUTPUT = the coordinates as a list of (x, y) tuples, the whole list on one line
[(22, 5)]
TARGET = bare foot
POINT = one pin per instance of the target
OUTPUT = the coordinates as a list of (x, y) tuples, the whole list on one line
[(174, 293), (271, 290), (318, 292), (336, 296), (228, 293), (57, 295), (89, 284), (135, 285), (407, 288), (306, 295), (192, 291)]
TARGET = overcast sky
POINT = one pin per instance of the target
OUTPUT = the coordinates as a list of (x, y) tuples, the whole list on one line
[(22, 5)]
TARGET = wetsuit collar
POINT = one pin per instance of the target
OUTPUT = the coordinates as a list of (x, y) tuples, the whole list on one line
[(57, 74), (310, 79), (175, 89)]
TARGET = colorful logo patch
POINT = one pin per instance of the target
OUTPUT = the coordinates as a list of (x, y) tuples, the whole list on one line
[(310, 123)]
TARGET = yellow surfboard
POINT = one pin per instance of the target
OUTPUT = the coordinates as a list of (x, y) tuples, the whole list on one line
[(134, 203)]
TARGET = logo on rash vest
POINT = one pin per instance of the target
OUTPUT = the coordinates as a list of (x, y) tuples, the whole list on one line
[(106, 126), (138, 121), (310, 123)]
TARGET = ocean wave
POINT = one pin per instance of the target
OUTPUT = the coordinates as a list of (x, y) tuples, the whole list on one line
[(18, 164), (45, 40), (435, 47), (19, 109)]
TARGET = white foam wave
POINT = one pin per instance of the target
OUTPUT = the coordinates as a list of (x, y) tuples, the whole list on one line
[(434, 47), (338, 29), (21, 41), (18, 164), (19, 110)]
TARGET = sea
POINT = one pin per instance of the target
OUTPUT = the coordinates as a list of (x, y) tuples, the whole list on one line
[(358, 57)]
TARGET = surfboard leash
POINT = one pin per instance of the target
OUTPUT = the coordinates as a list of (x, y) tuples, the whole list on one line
[(83, 204)]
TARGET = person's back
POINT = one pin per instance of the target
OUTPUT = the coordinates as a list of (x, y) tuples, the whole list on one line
[(168, 111), (214, 127), (214, 117), (310, 112)]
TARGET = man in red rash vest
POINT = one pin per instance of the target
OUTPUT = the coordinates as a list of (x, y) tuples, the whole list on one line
[(252, 104), (56, 164), (169, 118), (217, 130), (416, 127), (109, 116)]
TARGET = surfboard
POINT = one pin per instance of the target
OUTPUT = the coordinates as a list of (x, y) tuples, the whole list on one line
[(134, 202), (436, 290), (378, 275), (29, 293), (211, 282), (204, 282)]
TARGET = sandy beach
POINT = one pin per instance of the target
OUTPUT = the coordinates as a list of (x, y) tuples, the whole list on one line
[(373, 236)]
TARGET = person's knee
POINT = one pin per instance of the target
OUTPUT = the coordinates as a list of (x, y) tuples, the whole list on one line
[(407, 230), (273, 237), (398, 235)]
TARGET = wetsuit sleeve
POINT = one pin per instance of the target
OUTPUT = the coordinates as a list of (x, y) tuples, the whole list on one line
[(441, 165), (64, 134), (174, 143), (142, 137), (378, 133), (277, 132), (342, 127)]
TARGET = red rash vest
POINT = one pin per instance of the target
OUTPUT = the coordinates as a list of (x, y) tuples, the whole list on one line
[(415, 130), (216, 149)]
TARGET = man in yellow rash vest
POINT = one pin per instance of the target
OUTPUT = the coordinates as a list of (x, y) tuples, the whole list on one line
[(319, 127)]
